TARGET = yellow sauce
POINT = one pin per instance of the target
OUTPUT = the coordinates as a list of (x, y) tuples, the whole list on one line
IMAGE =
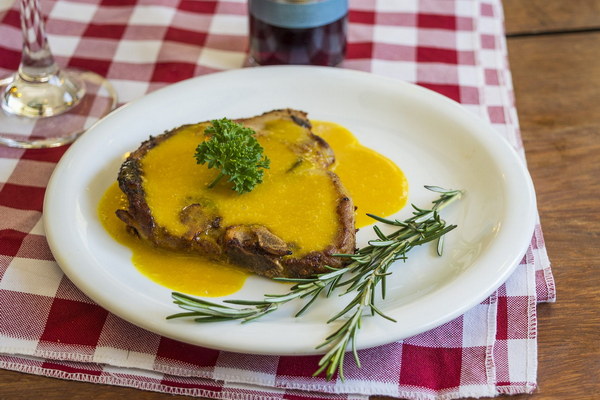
[(298, 206), (377, 185), (180, 272)]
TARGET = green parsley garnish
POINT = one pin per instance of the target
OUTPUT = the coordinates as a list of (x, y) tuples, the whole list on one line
[(234, 150)]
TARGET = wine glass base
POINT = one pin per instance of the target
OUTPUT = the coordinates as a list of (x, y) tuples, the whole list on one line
[(52, 96), (28, 125)]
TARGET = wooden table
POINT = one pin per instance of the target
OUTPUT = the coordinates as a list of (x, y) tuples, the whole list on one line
[(554, 51)]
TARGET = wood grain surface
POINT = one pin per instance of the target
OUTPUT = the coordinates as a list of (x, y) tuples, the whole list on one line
[(557, 90), (557, 87), (550, 16)]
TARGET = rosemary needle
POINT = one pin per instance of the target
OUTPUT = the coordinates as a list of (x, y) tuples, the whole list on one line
[(367, 270)]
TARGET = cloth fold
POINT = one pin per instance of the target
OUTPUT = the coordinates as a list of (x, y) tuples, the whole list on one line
[(48, 327)]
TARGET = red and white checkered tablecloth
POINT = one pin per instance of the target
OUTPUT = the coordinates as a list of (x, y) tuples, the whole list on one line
[(48, 327)]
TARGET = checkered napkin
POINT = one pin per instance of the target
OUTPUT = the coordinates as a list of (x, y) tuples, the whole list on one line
[(48, 327)]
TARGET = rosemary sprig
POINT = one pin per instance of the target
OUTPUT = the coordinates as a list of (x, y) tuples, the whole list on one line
[(368, 268)]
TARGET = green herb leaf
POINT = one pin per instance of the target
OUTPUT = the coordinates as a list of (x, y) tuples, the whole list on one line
[(233, 149)]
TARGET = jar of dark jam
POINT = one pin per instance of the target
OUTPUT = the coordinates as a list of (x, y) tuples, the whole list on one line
[(301, 32)]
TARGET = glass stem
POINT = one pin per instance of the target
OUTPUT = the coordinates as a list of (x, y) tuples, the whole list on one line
[(37, 62)]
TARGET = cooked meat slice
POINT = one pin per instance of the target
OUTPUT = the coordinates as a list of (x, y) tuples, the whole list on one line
[(200, 223)]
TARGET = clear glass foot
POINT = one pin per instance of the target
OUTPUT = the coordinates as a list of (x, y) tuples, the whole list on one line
[(32, 98), (55, 112)]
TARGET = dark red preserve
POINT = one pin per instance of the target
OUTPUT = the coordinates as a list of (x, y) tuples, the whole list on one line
[(309, 32)]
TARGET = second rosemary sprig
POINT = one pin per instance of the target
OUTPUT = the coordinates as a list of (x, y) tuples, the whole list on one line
[(368, 269)]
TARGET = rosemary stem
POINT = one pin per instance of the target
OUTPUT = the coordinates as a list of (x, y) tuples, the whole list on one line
[(367, 269)]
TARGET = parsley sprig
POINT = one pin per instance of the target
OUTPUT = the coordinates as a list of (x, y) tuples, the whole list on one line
[(233, 149), (364, 276)]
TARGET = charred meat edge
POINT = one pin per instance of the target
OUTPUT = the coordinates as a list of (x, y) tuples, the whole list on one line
[(250, 246)]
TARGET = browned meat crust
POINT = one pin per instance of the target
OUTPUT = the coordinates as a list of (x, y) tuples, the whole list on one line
[(251, 246)]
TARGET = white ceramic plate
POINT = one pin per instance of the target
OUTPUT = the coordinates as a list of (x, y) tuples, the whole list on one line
[(434, 140)]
